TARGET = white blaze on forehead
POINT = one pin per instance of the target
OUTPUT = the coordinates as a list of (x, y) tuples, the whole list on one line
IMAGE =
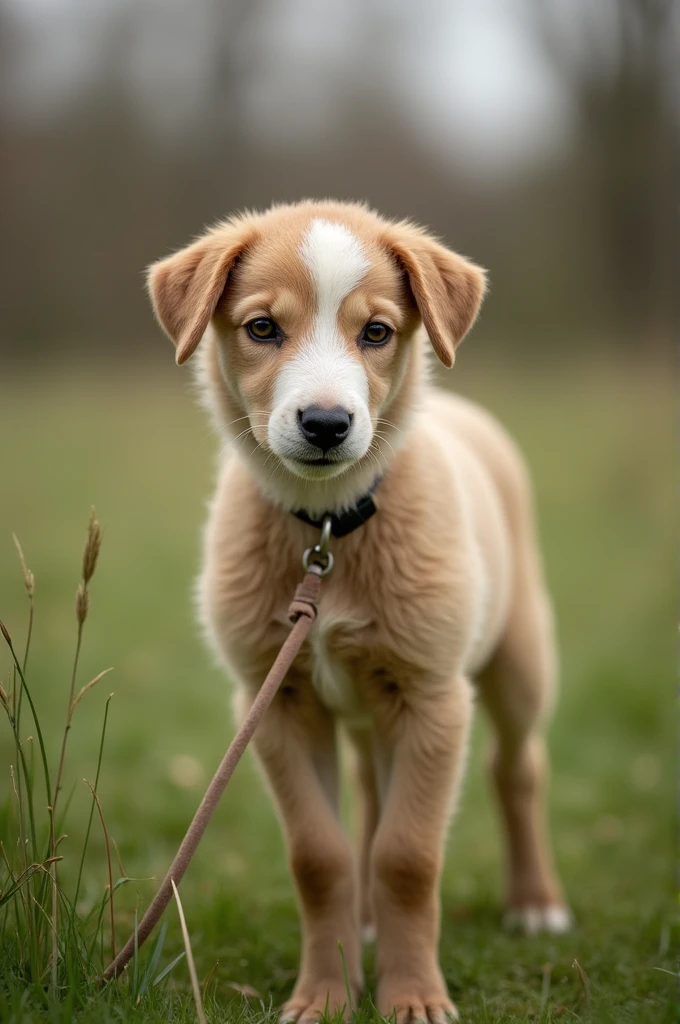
[(327, 369), (336, 262), (324, 371)]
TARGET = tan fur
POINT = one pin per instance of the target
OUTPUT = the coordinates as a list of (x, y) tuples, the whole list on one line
[(441, 587)]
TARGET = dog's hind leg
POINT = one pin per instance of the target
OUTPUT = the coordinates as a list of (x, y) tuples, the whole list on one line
[(517, 690)]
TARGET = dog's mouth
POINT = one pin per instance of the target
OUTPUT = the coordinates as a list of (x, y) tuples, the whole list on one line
[(316, 469)]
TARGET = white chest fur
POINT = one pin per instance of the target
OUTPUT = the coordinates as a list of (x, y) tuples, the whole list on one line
[(331, 679)]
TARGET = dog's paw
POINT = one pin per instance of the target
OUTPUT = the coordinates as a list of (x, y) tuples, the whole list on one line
[(415, 1002), (554, 918), (308, 1003), (368, 933), (414, 1011)]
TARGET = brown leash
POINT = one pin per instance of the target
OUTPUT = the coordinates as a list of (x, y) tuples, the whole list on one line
[(302, 612)]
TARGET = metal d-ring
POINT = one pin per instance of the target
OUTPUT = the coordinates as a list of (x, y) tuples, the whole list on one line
[(320, 555)]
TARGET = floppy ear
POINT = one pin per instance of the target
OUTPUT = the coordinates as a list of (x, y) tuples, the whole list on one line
[(447, 288), (186, 287)]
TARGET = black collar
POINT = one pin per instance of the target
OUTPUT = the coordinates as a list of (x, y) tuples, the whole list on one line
[(348, 521)]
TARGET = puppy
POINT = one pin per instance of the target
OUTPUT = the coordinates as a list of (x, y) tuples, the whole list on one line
[(314, 322)]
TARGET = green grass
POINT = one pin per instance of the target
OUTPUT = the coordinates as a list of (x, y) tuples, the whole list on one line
[(598, 438)]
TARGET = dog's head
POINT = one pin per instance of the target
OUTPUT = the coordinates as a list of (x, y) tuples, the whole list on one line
[(314, 310)]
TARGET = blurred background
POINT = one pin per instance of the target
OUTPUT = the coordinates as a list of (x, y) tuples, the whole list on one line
[(537, 137)]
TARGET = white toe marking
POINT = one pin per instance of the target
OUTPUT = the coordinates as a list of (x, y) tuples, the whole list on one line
[(557, 920), (553, 919), (368, 934)]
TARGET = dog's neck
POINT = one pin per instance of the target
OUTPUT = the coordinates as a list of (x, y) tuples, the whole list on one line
[(316, 497), (278, 484)]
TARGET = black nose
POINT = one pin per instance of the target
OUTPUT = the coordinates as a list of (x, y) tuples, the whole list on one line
[(324, 428)]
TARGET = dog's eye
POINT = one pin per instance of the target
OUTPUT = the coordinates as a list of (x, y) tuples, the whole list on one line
[(376, 333), (263, 329)]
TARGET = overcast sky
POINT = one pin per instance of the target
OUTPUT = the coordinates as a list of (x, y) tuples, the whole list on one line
[(467, 74)]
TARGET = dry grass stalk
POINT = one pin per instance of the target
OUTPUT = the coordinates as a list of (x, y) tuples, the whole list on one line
[(50, 860), (92, 547), (55, 907), (48, 789), (209, 976), (90, 556), (107, 842), (88, 686), (123, 872), (200, 1012), (583, 978), (82, 603), (22, 842), (29, 584), (14, 788), (29, 578), (6, 859), (43, 922), (15, 714)]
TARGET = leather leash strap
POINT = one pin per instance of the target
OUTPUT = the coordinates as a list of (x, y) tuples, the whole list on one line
[(302, 612)]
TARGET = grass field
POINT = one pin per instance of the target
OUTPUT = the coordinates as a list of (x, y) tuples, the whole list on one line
[(598, 438)]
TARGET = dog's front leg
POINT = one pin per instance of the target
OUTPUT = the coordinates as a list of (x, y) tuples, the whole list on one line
[(423, 750), (296, 744)]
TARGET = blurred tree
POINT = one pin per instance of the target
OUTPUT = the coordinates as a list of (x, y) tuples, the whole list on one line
[(173, 114), (618, 65)]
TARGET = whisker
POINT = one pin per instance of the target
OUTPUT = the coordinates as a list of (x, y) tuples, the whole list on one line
[(260, 444), (383, 438), (276, 467), (270, 456), (239, 418), (373, 457), (248, 430), (388, 423), (231, 441), (225, 426)]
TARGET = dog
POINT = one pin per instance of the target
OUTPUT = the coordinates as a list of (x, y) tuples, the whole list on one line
[(314, 323)]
